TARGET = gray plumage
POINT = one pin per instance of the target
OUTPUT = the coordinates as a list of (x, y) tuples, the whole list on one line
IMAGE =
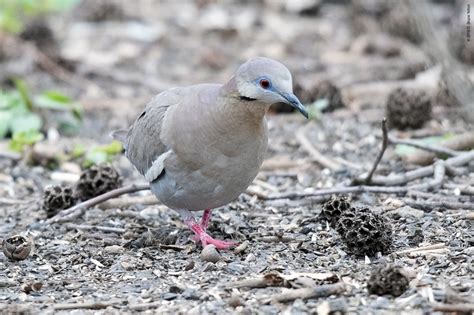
[(201, 146)]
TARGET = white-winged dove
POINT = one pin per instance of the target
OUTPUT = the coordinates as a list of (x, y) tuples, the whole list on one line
[(201, 146)]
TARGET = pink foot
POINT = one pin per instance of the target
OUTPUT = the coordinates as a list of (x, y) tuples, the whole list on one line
[(207, 239), (201, 235)]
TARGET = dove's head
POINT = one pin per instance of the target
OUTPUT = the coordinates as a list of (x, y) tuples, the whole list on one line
[(267, 81)]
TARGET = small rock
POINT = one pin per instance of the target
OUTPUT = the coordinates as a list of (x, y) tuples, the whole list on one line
[(235, 301), (407, 212), (210, 253), (190, 265), (113, 249), (250, 257), (168, 296), (191, 294), (242, 247)]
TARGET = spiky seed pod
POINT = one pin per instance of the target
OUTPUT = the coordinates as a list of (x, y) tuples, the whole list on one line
[(333, 209), (57, 198), (388, 279), (408, 109), (364, 232), (97, 180)]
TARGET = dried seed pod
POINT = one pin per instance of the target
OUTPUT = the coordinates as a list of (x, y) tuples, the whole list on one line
[(408, 109), (31, 287), (333, 209), (17, 247), (99, 11), (56, 198), (210, 253), (388, 279), (364, 233), (325, 89), (97, 180)]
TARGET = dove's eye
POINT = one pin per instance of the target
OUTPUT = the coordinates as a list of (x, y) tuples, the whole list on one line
[(264, 83)]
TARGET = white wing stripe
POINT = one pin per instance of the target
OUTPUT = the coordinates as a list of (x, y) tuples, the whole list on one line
[(157, 167)]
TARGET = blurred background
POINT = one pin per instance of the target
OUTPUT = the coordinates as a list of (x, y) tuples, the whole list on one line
[(86, 67)]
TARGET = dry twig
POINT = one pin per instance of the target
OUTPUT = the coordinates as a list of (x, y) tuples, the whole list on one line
[(421, 249), (425, 147), (77, 210), (430, 205), (404, 178), (73, 306), (310, 293), (86, 227), (367, 180), (315, 154), (463, 308)]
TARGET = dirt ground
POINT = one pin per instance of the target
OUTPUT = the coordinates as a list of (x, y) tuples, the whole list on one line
[(133, 256)]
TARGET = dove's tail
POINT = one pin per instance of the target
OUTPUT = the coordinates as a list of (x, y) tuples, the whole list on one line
[(120, 135)]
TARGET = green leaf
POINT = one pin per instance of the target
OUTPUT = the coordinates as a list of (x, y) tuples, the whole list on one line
[(78, 151), (26, 122), (403, 150), (5, 121), (11, 99), (23, 90), (95, 157), (24, 138), (315, 108), (52, 100), (115, 147)]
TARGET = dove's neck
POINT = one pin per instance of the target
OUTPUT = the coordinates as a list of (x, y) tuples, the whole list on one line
[(241, 107)]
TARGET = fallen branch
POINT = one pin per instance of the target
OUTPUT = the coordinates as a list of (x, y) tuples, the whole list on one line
[(10, 155), (368, 179), (315, 154), (310, 293), (440, 150), (73, 306), (463, 189), (77, 210), (404, 178), (449, 147), (120, 203), (430, 205), (85, 227), (421, 249), (269, 280), (462, 308), (436, 182)]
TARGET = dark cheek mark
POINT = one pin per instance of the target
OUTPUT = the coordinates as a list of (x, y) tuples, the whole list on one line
[(247, 99)]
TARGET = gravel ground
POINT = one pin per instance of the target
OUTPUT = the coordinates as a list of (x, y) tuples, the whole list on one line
[(136, 256)]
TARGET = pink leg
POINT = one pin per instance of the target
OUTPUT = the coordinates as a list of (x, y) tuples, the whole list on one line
[(206, 217), (200, 230)]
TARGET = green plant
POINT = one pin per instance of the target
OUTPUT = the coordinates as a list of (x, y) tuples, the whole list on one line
[(20, 114), (97, 154), (13, 13)]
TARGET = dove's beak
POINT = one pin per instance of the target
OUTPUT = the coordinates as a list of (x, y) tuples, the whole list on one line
[(294, 102)]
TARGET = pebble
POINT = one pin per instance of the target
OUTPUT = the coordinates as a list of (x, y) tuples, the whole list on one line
[(113, 249), (235, 301), (407, 212), (210, 253)]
